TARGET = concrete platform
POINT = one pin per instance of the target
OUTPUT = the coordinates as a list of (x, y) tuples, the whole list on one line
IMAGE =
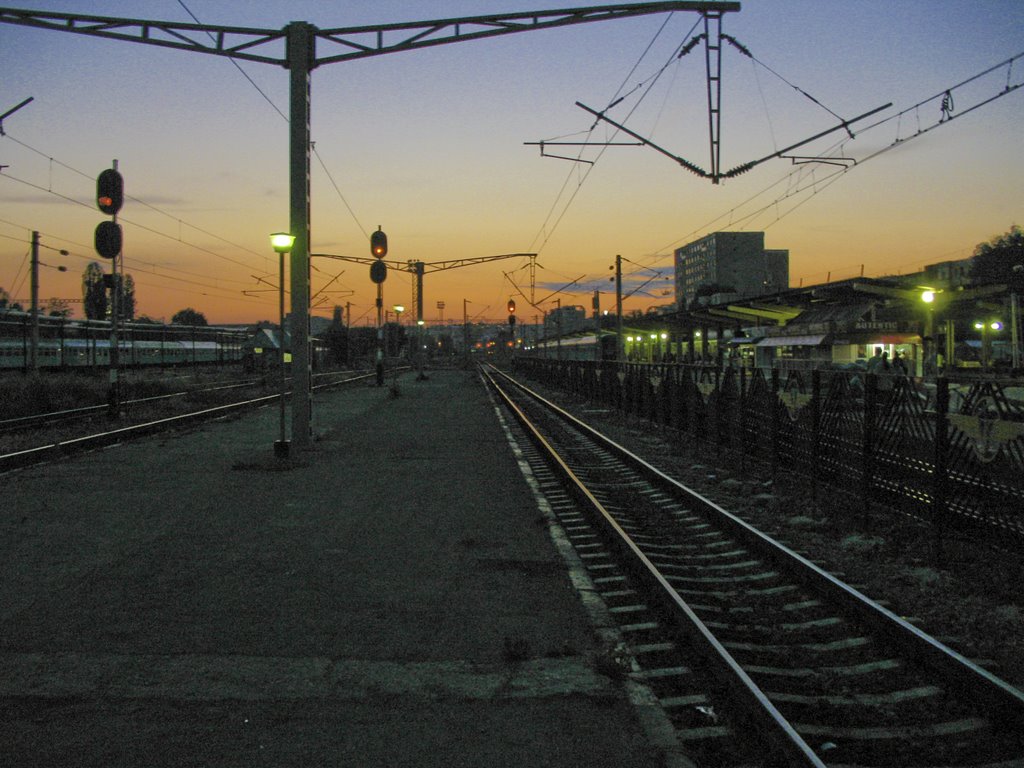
[(391, 597)]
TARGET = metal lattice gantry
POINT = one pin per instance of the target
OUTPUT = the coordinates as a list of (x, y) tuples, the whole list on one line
[(300, 57)]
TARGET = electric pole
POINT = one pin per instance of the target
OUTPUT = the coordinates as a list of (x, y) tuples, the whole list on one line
[(301, 58)]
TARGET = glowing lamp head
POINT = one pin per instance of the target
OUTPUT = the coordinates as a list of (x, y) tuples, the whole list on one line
[(928, 296), (995, 325), (282, 242)]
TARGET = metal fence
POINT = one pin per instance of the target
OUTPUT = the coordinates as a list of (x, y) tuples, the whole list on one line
[(947, 452)]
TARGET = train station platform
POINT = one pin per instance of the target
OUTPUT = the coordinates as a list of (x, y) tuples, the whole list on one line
[(393, 596)]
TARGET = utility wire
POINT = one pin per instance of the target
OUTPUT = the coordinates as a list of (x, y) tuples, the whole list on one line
[(284, 117), (614, 100), (805, 180), (143, 203), (124, 220)]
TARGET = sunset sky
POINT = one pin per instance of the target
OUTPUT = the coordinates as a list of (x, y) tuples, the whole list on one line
[(430, 145)]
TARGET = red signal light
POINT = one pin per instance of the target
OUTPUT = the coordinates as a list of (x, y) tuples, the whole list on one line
[(109, 191)]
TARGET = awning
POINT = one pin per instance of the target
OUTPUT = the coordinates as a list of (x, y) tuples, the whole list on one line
[(791, 341), (876, 337)]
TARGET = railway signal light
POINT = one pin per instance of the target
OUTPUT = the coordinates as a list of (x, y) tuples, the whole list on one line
[(511, 306), (378, 273), (109, 192), (379, 244), (108, 239)]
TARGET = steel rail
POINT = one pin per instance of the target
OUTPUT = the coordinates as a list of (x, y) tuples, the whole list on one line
[(21, 422), (1007, 700), (63, 448), (54, 417), (767, 719)]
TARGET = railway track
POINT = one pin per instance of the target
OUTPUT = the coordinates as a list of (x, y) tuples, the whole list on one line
[(71, 444), (757, 655), (90, 411)]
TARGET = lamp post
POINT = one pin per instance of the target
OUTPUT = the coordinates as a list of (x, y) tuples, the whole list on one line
[(930, 353), (398, 310), (282, 242), (986, 340), (420, 350)]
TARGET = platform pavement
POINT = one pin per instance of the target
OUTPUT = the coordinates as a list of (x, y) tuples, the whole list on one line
[(188, 600)]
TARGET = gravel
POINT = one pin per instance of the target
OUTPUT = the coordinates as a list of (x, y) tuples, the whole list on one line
[(964, 592)]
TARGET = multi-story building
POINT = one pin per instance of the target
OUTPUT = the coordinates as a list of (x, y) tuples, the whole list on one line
[(563, 320), (734, 260)]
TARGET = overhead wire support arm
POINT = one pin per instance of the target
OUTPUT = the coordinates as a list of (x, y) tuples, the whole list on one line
[(11, 111), (646, 142), (372, 40), (300, 57), (214, 39), (844, 125), (543, 144)]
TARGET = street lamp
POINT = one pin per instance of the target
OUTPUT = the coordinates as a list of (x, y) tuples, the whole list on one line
[(420, 350), (282, 242), (398, 309), (929, 350)]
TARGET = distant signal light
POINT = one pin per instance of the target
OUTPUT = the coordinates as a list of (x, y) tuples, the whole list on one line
[(109, 191), (379, 244)]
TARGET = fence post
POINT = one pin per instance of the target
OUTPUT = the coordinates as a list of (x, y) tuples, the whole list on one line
[(815, 431), (743, 420), (719, 411), (940, 489), (868, 441), (775, 423)]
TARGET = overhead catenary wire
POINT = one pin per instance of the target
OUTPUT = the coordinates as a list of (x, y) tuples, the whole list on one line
[(139, 265), (284, 117), (544, 233), (140, 201), (808, 182)]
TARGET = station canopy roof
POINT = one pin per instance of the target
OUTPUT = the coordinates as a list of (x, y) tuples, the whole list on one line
[(792, 341)]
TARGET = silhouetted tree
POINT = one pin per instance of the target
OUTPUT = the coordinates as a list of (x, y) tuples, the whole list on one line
[(994, 261), (126, 300), (188, 316), (57, 308), (94, 293)]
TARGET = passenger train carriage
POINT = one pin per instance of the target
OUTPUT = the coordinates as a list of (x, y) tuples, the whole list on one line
[(86, 353)]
